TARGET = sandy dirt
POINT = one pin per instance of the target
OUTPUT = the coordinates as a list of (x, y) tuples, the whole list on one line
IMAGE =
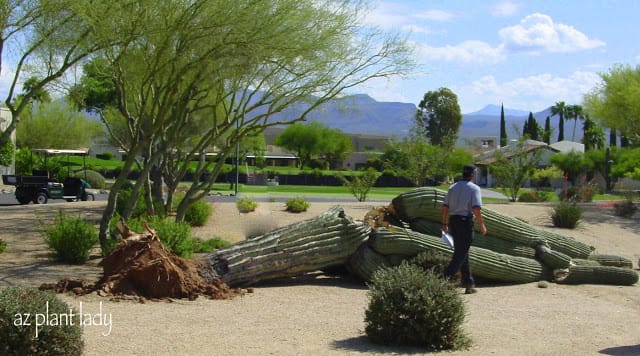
[(321, 315)]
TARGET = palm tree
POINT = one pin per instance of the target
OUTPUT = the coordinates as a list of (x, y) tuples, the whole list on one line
[(575, 113), (560, 109)]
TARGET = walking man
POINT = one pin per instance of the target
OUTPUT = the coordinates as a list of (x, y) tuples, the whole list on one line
[(462, 203)]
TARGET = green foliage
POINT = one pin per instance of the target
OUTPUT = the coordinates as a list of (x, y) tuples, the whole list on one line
[(431, 260), (543, 176), (439, 117), (315, 139), (210, 245), (573, 163), (361, 185), (6, 153), (534, 196), (3, 245), (615, 100), (566, 215), (418, 160), (107, 156), (71, 238), (297, 205), (176, 236), (246, 205), (513, 165), (413, 307), (24, 161), (95, 179), (625, 209), (198, 213), (19, 336), (53, 125)]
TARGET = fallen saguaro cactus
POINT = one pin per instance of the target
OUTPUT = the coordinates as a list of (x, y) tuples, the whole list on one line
[(324, 241), (426, 202)]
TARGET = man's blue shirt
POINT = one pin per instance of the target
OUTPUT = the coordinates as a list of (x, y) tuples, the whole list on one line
[(462, 197)]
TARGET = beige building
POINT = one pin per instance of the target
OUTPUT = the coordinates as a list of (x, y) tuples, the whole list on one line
[(5, 120)]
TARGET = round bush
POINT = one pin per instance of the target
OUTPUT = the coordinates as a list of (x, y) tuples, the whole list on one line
[(297, 205), (198, 213), (566, 215), (412, 307), (71, 239), (18, 338), (536, 196), (246, 205), (95, 179)]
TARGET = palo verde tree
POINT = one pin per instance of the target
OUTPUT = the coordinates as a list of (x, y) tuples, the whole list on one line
[(41, 40), (514, 165), (615, 101), (439, 117), (234, 64)]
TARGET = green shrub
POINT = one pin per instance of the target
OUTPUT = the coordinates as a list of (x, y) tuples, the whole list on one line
[(3, 245), (625, 209), (297, 205), (198, 213), (107, 156), (95, 179), (431, 260), (413, 307), (17, 337), (176, 236), (534, 196), (71, 238), (566, 215), (246, 205), (139, 209), (210, 245)]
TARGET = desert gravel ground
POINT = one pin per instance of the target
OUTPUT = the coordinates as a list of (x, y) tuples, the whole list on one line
[(321, 315)]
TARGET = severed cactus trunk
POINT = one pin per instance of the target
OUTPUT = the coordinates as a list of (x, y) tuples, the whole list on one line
[(597, 275), (324, 241)]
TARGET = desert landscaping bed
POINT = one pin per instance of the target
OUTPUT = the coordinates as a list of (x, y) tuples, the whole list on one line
[(318, 314)]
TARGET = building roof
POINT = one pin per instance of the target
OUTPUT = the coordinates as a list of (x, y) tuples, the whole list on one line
[(567, 146), (511, 150)]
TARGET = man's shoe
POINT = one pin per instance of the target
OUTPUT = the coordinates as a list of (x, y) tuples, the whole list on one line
[(470, 290)]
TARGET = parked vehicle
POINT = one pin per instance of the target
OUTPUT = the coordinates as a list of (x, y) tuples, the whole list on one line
[(40, 187)]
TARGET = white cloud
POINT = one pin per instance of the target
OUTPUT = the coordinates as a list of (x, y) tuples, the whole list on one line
[(538, 33), (534, 92), (399, 16), (465, 52), (505, 8), (435, 15)]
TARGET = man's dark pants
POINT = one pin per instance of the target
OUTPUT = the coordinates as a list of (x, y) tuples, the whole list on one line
[(461, 228)]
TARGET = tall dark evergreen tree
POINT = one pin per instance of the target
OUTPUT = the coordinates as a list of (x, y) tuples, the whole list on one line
[(525, 128), (613, 138), (503, 127), (533, 127), (546, 136)]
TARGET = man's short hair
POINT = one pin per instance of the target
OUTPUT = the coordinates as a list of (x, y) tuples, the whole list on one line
[(468, 170)]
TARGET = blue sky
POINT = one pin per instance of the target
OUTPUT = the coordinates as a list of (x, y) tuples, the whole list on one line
[(525, 54)]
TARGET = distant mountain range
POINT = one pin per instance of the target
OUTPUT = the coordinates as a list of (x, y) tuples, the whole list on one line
[(361, 114)]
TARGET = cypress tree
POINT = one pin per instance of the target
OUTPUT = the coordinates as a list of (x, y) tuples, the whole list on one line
[(613, 138), (503, 128), (546, 136)]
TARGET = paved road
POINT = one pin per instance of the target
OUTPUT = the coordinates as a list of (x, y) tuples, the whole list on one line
[(9, 198)]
